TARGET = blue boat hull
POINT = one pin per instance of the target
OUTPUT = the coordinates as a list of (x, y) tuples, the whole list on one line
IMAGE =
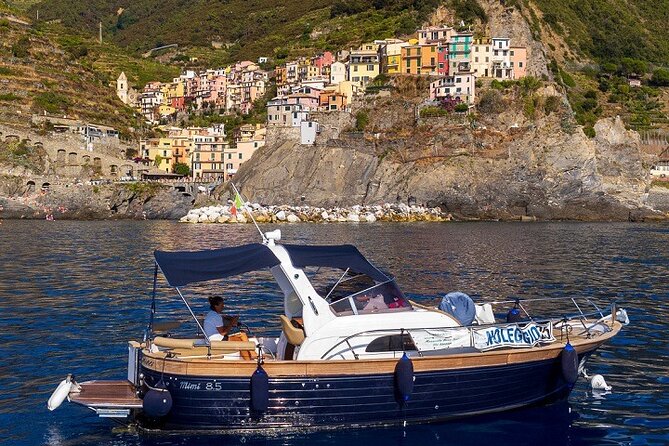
[(215, 403)]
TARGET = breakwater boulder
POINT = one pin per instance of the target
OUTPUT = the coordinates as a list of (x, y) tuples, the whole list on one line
[(299, 214)]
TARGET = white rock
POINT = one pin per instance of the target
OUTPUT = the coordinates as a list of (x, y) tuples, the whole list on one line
[(353, 217), (324, 215), (193, 218), (370, 218), (213, 217), (292, 218), (203, 218), (223, 219), (281, 216), (184, 219), (241, 218)]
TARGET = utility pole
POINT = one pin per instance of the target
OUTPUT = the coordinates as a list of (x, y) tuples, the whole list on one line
[(100, 32), (37, 18)]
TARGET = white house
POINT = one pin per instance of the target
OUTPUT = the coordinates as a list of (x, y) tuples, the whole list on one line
[(461, 84), (308, 132), (337, 72)]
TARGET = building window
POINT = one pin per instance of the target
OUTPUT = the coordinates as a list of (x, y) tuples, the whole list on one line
[(496, 53), (229, 156), (520, 65), (487, 59), (511, 52), (476, 59), (355, 68), (370, 67)]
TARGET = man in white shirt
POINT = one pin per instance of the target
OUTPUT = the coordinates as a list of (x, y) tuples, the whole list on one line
[(216, 324)]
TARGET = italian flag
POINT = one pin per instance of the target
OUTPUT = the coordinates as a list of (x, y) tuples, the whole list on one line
[(237, 204)]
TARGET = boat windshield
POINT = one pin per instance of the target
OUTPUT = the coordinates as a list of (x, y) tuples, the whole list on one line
[(382, 298)]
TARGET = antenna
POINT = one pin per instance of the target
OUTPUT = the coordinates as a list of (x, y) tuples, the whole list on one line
[(100, 37), (264, 239)]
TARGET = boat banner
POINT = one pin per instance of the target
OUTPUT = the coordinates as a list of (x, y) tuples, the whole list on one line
[(513, 335)]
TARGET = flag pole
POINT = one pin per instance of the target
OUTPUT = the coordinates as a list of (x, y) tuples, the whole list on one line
[(264, 239)]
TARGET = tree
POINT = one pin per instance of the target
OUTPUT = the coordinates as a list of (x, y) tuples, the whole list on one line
[(182, 169), (633, 66), (660, 78), (158, 161)]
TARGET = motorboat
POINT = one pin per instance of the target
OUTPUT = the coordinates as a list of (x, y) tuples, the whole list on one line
[(352, 351)]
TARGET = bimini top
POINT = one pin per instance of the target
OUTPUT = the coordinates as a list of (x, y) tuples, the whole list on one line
[(183, 267)]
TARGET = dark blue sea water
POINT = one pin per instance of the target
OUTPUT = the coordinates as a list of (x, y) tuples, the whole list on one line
[(73, 293)]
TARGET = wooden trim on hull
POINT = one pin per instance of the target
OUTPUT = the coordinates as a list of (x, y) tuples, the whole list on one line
[(317, 368), (217, 404)]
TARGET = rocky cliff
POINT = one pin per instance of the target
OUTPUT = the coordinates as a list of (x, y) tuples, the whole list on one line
[(79, 201), (503, 163)]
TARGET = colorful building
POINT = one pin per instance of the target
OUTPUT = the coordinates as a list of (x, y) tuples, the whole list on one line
[(460, 85), (363, 64), (459, 49)]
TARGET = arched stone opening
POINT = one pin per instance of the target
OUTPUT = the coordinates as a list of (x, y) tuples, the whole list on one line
[(72, 158), (60, 155)]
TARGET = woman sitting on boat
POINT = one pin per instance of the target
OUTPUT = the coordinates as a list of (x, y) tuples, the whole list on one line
[(216, 324)]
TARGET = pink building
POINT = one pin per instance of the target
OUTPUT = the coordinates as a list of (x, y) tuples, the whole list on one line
[(442, 59), (518, 59), (323, 60)]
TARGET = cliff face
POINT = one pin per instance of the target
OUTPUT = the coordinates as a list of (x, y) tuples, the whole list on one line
[(70, 201), (495, 166)]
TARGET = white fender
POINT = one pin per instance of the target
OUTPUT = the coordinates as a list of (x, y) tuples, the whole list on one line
[(61, 392), (598, 383)]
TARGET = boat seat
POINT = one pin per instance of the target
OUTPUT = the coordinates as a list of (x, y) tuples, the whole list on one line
[(294, 335), (197, 345)]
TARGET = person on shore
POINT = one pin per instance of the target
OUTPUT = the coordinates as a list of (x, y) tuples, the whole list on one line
[(216, 324)]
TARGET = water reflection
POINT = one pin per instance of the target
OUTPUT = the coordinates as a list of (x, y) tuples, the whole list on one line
[(73, 293)]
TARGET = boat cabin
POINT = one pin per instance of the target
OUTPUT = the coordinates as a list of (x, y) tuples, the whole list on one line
[(358, 310)]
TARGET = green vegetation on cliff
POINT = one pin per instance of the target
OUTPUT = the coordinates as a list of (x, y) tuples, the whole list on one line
[(612, 29)]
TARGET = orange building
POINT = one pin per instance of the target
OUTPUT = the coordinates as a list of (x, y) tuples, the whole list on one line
[(420, 59), (331, 100)]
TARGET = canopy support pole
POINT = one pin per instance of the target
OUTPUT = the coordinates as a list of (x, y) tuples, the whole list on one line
[(193, 314), (147, 334)]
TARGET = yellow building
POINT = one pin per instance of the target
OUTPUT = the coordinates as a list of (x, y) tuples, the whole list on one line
[(363, 64), (159, 151)]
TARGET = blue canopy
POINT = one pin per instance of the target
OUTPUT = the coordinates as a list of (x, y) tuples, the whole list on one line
[(335, 256), (183, 267)]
